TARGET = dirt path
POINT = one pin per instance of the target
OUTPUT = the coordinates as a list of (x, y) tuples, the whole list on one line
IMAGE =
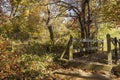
[(89, 67), (77, 74)]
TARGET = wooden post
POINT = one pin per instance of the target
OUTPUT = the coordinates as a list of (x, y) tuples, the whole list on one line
[(68, 49), (119, 45), (116, 54), (71, 48), (61, 57), (109, 49), (102, 45)]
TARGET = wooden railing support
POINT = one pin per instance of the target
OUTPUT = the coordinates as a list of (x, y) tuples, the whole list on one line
[(115, 47), (109, 49), (68, 49), (102, 46), (119, 45), (71, 48)]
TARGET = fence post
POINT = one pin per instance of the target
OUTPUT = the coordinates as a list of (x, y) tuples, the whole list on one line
[(102, 45), (68, 49), (119, 45), (109, 49), (71, 48), (116, 54)]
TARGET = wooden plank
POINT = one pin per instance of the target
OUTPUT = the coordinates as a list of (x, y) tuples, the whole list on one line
[(93, 48), (87, 40)]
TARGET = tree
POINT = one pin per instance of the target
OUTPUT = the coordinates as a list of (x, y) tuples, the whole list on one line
[(23, 17), (81, 11)]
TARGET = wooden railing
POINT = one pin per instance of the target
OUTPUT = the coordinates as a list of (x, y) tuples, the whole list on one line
[(92, 44), (116, 43), (69, 47)]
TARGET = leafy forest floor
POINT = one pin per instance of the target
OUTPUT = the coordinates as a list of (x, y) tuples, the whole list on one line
[(33, 62)]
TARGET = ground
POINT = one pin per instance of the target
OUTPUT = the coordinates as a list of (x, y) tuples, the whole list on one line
[(92, 67)]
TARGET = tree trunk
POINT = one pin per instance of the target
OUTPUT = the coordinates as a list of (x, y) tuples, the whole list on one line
[(85, 22), (83, 27), (50, 27), (51, 33), (89, 20)]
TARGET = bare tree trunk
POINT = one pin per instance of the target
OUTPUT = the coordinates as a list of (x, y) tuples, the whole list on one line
[(51, 33), (89, 20), (83, 27), (50, 27), (85, 22)]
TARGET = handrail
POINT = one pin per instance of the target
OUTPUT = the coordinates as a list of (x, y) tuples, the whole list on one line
[(87, 40)]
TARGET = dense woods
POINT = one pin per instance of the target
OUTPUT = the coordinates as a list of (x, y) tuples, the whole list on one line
[(40, 39)]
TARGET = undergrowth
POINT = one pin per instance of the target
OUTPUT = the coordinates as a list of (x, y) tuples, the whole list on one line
[(26, 65)]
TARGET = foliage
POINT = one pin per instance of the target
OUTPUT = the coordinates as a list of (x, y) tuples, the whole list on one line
[(31, 48), (110, 10), (106, 28), (25, 65)]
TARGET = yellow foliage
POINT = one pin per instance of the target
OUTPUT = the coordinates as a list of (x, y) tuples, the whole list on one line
[(23, 1), (26, 13)]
